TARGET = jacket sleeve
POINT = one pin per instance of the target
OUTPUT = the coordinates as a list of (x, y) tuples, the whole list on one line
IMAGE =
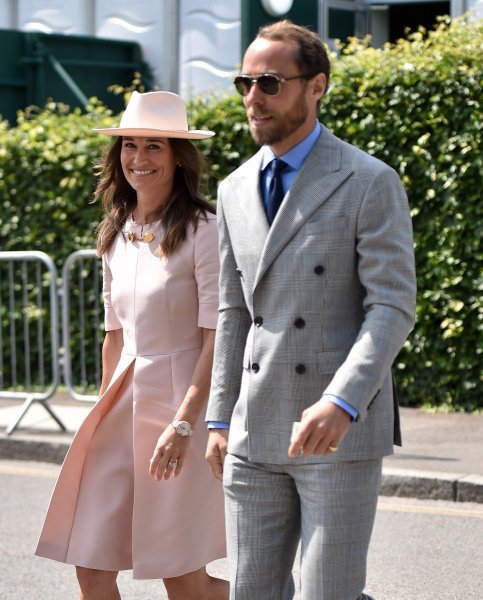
[(384, 250), (234, 322)]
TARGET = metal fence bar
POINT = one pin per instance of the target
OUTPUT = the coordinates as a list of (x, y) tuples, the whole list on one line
[(11, 314), (82, 325), (26, 328), (40, 327), (30, 396), (80, 257)]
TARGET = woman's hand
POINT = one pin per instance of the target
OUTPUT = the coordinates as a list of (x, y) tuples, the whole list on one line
[(172, 447), (169, 454)]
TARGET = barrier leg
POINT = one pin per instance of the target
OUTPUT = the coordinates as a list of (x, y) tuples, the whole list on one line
[(26, 406)]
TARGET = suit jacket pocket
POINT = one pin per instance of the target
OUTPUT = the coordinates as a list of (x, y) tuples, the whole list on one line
[(329, 361)]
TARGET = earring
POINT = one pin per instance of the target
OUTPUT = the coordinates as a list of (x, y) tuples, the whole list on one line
[(178, 165)]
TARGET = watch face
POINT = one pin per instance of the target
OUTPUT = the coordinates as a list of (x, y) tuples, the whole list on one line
[(182, 428)]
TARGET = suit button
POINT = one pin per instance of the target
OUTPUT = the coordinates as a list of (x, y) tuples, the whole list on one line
[(300, 369), (318, 270), (258, 321), (299, 323), (255, 367)]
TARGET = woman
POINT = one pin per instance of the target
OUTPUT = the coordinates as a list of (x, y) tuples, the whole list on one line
[(135, 491)]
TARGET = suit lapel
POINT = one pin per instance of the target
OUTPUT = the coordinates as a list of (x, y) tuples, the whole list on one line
[(245, 212), (320, 176)]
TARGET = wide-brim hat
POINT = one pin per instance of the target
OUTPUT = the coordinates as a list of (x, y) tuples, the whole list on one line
[(156, 114)]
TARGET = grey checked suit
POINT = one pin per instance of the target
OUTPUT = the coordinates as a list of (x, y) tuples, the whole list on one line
[(320, 302)]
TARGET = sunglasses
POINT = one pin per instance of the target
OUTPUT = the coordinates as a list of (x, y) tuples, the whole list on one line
[(268, 83)]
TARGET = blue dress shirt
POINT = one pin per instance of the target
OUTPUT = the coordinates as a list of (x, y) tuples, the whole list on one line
[(294, 158)]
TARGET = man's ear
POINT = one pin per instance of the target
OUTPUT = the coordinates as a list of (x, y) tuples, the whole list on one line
[(319, 85)]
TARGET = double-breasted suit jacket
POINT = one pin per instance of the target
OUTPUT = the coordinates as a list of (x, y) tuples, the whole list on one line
[(320, 302)]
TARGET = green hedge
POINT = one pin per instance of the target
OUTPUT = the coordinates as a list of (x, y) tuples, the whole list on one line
[(46, 180), (415, 105)]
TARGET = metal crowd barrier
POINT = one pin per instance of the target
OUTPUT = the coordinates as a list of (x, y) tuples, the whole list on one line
[(31, 357), (86, 286), (22, 307)]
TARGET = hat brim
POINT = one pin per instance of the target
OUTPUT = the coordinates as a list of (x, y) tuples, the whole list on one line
[(194, 134)]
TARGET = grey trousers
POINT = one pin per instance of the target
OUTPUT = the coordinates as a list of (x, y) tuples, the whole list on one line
[(329, 508)]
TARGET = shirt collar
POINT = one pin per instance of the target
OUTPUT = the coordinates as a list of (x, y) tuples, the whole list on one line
[(295, 156)]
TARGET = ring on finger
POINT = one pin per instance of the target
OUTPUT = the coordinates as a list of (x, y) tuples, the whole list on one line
[(172, 464)]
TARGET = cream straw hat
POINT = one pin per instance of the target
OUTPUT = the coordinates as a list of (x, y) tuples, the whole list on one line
[(156, 114)]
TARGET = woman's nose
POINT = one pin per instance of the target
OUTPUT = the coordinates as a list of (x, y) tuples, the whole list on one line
[(139, 154)]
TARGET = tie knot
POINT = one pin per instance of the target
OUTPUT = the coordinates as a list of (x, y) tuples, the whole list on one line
[(278, 165)]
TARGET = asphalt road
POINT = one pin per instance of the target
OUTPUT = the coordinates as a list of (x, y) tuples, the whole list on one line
[(421, 549)]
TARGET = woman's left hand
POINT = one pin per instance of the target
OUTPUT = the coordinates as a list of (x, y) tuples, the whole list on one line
[(168, 455)]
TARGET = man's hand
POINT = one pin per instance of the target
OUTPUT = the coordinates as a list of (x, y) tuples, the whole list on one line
[(216, 450), (322, 428)]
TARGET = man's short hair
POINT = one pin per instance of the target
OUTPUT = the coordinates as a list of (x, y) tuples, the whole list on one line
[(312, 56)]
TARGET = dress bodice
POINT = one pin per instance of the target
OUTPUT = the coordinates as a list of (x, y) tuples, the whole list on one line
[(161, 302)]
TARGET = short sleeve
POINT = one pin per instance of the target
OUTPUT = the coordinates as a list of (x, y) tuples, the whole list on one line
[(110, 318), (207, 270)]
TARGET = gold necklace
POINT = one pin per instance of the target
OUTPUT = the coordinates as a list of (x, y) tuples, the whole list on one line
[(147, 237), (144, 237)]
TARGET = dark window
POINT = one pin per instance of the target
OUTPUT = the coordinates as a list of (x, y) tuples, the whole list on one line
[(402, 16), (341, 23)]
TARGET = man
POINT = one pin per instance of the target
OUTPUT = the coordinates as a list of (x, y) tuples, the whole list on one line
[(316, 301)]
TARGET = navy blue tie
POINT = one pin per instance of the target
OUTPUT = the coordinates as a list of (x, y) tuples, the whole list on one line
[(275, 190)]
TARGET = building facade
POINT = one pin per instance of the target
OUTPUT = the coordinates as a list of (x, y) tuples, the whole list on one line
[(195, 46)]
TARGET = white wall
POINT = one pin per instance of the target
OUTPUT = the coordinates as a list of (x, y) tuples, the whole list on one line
[(209, 45), (53, 16), (151, 24), (191, 45)]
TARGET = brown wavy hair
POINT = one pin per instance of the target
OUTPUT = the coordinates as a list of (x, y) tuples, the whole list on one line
[(184, 207)]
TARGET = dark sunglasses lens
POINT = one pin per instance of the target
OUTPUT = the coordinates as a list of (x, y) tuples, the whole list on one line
[(243, 85), (269, 84)]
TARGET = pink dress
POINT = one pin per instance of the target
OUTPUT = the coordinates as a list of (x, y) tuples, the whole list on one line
[(106, 511)]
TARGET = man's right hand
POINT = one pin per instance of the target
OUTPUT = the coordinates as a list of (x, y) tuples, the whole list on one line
[(216, 451)]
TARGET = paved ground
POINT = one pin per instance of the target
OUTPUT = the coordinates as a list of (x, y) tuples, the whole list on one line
[(442, 456)]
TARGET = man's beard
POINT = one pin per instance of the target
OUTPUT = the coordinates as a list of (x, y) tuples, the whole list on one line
[(292, 120)]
